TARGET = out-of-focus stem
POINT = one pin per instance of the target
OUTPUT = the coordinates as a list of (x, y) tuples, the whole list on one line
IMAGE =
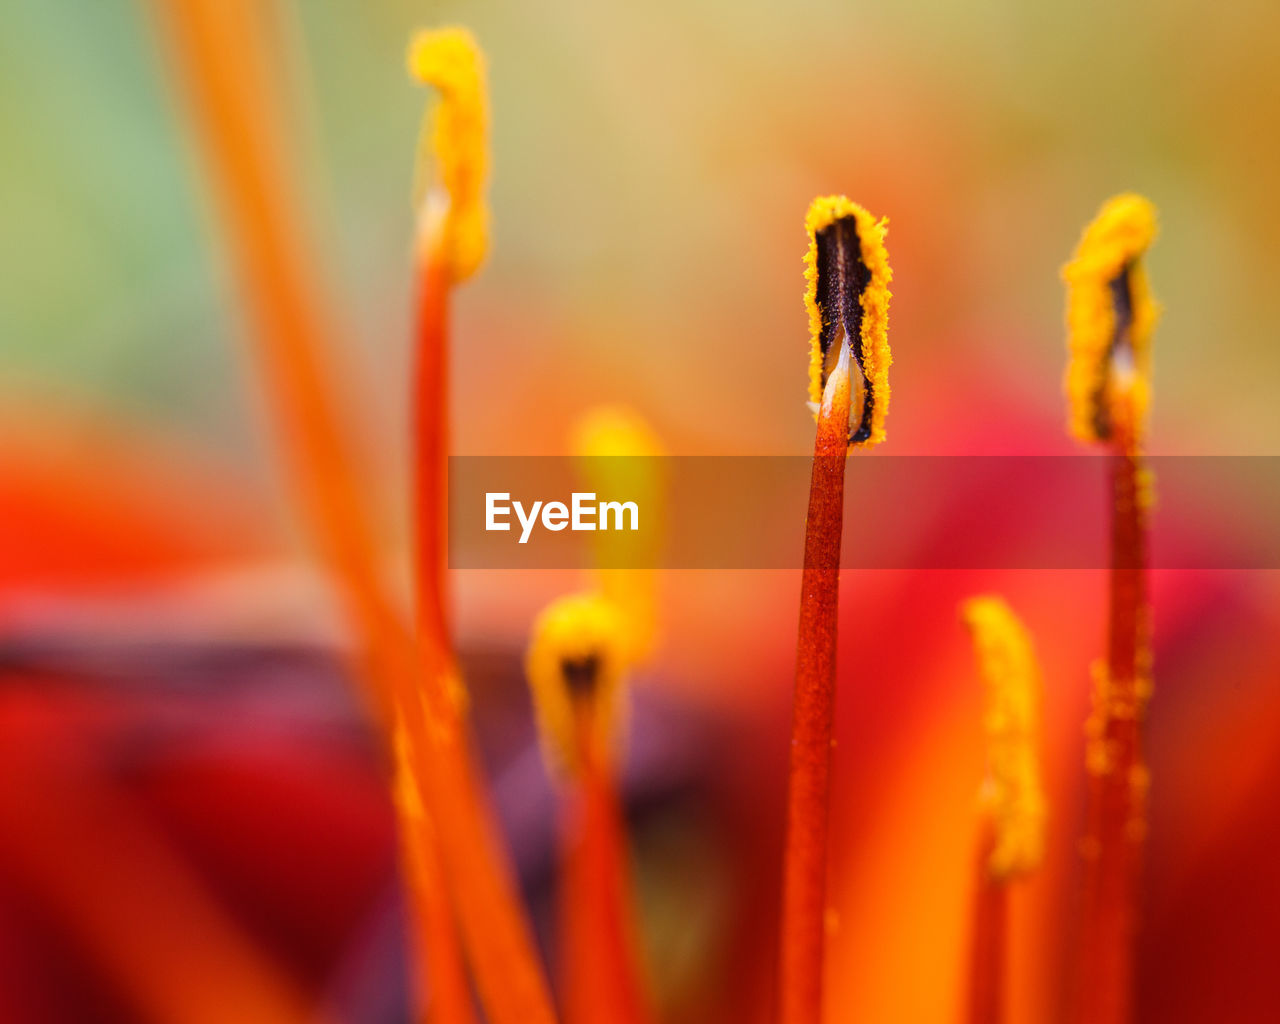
[(217, 52), (431, 445), (441, 967), (988, 941), (598, 931), (1116, 828)]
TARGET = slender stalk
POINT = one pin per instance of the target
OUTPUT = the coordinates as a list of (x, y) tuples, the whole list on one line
[(437, 941), (598, 932), (1011, 803), (452, 240), (431, 444), (1116, 828), (495, 931), (804, 897), (1110, 319), (443, 966), (217, 50), (579, 652), (988, 942)]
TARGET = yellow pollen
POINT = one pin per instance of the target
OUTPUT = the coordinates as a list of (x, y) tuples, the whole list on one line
[(1011, 797), (1110, 318), (576, 668), (867, 298), (614, 430), (453, 157), (620, 459)]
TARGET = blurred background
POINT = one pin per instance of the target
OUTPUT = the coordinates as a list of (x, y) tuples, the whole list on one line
[(170, 660)]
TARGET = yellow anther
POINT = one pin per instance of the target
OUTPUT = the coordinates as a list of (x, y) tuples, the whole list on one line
[(620, 455), (453, 153), (1110, 318), (614, 430), (847, 294), (576, 667), (1011, 795)]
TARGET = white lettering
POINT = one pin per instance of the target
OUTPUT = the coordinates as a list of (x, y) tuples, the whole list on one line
[(559, 511), (618, 507), (527, 524), (581, 509), (492, 510), (583, 513)]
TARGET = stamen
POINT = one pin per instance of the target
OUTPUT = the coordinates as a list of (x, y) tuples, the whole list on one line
[(576, 669), (847, 296), (453, 225), (847, 274), (453, 215), (1011, 802), (575, 664), (1110, 316)]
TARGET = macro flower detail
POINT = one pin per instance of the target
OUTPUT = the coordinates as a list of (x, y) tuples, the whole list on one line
[(373, 760), (1110, 317), (847, 295)]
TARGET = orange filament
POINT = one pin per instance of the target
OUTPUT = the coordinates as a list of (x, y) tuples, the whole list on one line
[(442, 965), (452, 224), (217, 49), (431, 452), (1118, 777), (804, 896), (1011, 801), (598, 932), (988, 956)]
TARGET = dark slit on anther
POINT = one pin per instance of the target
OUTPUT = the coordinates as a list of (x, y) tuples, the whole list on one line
[(580, 676), (842, 278), (1121, 343)]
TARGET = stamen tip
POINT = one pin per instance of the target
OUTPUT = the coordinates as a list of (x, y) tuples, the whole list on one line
[(847, 295), (576, 666), (455, 138), (1110, 318)]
